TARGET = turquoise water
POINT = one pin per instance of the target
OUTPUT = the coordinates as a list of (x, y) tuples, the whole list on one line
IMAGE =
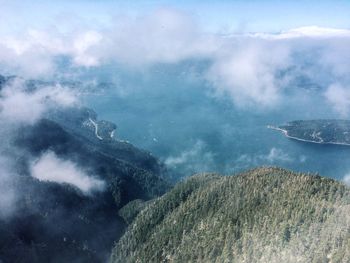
[(174, 113)]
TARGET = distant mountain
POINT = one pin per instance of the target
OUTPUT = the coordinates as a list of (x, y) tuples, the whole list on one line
[(32, 84), (266, 215), (58, 222), (318, 131)]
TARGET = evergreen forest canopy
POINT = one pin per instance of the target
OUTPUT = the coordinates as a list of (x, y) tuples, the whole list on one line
[(262, 215)]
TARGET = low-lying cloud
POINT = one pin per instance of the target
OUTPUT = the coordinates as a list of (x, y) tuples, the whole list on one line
[(247, 72), (21, 105), (34, 53), (165, 36), (51, 168), (339, 97), (346, 179), (275, 156), (18, 105), (193, 160)]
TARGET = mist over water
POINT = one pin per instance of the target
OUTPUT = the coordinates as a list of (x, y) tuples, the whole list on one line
[(198, 98), (173, 112)]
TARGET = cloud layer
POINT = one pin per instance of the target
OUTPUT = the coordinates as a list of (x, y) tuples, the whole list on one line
[(53, 169), (17, 105), (346, 179), (21, 105), (339, 97), (252, 69)]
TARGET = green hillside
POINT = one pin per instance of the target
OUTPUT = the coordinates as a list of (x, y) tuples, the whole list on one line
[(263, 215)]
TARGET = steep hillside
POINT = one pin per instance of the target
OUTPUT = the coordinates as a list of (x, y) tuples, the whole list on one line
[(129, 172), (67, 176), (57, 222), (263, 215)]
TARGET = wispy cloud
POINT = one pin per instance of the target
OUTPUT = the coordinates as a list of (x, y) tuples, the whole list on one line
[(339, 97), (17, 105), (252, 69), (193, 160), (53, 169), (306, 31), (22, 106), (247, 71), (346, 179), (275, 156)]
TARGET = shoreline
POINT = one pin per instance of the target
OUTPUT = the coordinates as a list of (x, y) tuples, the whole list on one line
[(285, 133)]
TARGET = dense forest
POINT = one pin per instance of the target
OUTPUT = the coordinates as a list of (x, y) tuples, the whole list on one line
[(263, 215)]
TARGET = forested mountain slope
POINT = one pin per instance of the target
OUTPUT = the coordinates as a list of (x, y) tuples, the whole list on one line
[(263, 215)]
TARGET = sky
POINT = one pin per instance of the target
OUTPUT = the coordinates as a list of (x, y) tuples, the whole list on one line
[(215, 16)]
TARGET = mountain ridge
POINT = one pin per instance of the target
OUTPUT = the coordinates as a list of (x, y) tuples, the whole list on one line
[(262, 215), (56, 221)]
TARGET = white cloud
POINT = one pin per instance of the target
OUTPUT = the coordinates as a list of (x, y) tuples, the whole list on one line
[(335, 57), (50, 168), (339, 97), (33, 53), (82, 45), (247, 72), (20, 106), (316, 31), (276, 155), (306, 31), (32, 63), (246, 67), (346, 179), (165, 36), (255, 69), (193, 160)]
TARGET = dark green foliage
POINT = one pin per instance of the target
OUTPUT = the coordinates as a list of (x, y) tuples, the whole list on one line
[(58, 223), (131, 210), (263, 215)]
